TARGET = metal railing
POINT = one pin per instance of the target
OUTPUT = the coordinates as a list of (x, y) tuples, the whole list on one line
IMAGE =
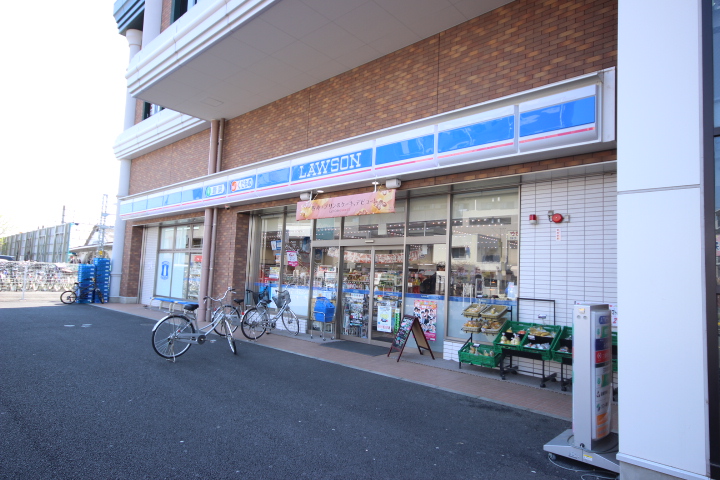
[(37, 276)]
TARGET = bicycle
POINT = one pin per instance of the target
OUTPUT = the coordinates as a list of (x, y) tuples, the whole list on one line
[(229, 311), (256, 320), (182, 329), (78, 291)]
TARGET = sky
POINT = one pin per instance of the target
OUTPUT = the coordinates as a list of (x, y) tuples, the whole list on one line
[(63, 99)]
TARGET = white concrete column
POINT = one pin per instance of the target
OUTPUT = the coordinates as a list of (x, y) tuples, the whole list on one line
[(662, 357), (134, 38), (152, 20)]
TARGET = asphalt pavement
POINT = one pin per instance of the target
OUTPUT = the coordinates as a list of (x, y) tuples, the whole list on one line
[(83, 395)]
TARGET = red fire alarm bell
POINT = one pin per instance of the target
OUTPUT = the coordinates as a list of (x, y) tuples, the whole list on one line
[(557, 218)]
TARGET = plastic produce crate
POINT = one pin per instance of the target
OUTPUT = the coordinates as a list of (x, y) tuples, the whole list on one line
[(479, 354), (516, 328), (564, 341), (546, 343)]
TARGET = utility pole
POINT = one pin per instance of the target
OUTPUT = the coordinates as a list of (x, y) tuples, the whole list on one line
[(102, 226)]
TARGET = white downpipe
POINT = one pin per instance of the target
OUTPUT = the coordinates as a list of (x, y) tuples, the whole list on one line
[(218, 166), (205, 270)]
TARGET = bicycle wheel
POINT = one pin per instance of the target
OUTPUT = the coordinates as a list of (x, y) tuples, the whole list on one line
[(163, 340), (253, 324), (290, 322), (68, 297), (230, 338), (232, 315), (99, 295)]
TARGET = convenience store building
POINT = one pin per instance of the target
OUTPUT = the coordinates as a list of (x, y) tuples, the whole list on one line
[(403, 159)]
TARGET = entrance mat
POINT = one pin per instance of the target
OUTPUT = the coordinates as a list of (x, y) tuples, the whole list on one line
[(355, 347)]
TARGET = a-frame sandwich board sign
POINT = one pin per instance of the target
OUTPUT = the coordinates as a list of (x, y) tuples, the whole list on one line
[(410, 323)]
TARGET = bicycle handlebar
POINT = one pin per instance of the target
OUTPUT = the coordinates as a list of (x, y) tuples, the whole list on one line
[(229, 289)]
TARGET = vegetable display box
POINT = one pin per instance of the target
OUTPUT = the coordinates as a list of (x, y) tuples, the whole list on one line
[(479, 354), (511, 336)]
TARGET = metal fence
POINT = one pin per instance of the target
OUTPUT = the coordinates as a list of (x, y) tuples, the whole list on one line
[(37, 276)]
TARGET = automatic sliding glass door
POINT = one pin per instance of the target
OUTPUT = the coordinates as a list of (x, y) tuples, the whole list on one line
[(356, 274), (371, 293), (387, 293)]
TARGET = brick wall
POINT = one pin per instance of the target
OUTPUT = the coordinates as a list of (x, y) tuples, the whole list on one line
[(139, 104), (230, 252), (183, 160), (270, 131), (523, 45), (132, 254), (166, 14)]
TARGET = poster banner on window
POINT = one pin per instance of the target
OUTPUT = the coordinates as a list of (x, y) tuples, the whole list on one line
[(426, 311), (384, 318), (381, 201), (292, 258)]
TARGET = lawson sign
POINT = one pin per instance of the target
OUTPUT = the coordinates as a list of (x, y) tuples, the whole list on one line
[(469, 137)]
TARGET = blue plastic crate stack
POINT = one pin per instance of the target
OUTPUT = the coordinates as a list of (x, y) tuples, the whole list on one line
[(102, 277), (85, 276)]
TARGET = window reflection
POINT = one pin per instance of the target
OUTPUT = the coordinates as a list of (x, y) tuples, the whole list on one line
[(385, 225), (483, 251), (428, 216)]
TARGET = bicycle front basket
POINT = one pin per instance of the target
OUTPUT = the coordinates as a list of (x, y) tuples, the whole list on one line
[(282, 299), (251, 297)]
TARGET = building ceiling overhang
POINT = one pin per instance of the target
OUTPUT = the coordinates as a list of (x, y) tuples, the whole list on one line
[(224, 58)]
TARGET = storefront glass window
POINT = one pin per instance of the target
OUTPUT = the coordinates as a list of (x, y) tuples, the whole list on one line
[(198, 232), (182, 236), (428, 216), (179, 266), (270, 248), (296, 267), (167, 236), (325, 281), (426, 282), (179, 277), (327, 228), (162, 284), (384, 225), (483, 252)]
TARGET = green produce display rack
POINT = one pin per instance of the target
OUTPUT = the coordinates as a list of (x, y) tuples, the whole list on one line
[(561, 337), (564, 358), (485, 355), (509, 351)]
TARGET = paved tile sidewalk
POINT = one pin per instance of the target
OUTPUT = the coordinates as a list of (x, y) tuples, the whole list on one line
[(446, 375)]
